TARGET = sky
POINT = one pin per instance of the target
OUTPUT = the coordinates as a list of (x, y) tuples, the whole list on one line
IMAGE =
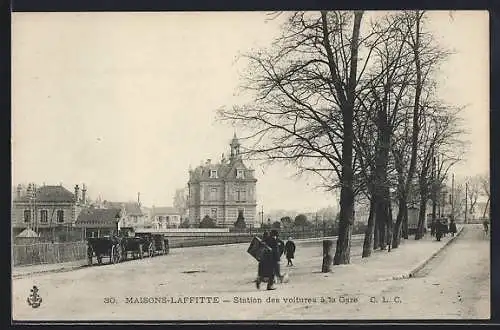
[(126, 102)]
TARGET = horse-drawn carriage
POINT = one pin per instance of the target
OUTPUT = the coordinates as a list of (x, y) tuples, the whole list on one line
[(133, 246), (154, 244), (104, 247), (120, 248)]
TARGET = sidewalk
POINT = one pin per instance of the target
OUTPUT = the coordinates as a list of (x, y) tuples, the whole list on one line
[(361, 280), (21, 271)]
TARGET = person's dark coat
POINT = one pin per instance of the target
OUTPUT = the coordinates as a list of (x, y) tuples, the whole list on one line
[(453, 227), (290, 249), (267, 264)]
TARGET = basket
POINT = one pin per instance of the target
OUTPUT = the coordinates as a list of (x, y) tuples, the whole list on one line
[(257, 248)]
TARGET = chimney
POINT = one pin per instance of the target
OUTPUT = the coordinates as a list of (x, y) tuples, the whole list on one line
[(139, 198), (19, 189), (84, 193), (77, 193)]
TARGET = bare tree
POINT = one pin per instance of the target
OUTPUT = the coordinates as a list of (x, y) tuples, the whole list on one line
[(427, 56), (485, 189), (303, 113), (180, 201), (440, 147), (473, 192)]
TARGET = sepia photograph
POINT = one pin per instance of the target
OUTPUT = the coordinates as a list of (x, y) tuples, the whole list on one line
[(250, 166)]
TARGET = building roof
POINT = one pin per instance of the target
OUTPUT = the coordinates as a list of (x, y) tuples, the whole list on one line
[(165, 210), (225, 171), (226, 168), (131, 208), (50, 194), (28, 233), (98, 216)]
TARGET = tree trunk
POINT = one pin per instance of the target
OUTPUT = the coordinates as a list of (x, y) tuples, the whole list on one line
[(382, 230), (327, 256), (398, 228), (434, 207), (376, 236), (404, 232), (421, 216), (390, 223), (368, 242), (343, 249), (486, 207), (416, 115)]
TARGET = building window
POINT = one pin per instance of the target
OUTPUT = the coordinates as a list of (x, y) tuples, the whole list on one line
[(60, 216), (213, 174), (214, 213), (27, 215), (240, 174), (44, 215), (213, 194), (240, 195)]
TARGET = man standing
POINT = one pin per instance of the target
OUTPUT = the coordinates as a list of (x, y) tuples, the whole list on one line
[(453, 227), (267, 265), (290, 251), (274, 256)]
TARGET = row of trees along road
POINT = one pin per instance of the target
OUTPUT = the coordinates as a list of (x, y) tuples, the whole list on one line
[(353, 99)]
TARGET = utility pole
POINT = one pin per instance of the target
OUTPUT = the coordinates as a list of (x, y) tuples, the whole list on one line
[(452, 196), (466, 188), (262, 216)]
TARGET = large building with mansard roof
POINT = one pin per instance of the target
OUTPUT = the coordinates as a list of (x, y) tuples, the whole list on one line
[(222, 190)]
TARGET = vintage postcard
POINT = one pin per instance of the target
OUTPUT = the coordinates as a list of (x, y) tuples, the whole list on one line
[(317, 165)]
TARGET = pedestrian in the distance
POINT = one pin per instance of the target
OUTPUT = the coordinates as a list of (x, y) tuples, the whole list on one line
[(290, 251), (433, 228), (453, 228), (486, 226), (439, 230)]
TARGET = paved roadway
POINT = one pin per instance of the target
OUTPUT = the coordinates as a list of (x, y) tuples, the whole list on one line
[(195, 271), (453, 285)]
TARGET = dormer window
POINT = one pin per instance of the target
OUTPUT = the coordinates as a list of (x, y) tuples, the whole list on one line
[(213, 174), (240, 174)]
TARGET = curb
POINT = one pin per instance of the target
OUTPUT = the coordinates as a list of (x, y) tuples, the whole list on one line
[(57, 270), (423, 263)]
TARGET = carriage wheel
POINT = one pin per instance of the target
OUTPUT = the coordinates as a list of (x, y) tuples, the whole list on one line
[(151, 251), (115, 255), (119, 253), (90, 255), (141, 252), (163, 249)]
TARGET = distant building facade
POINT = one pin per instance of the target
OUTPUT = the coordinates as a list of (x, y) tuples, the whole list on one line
[(223, 190), (132, 215), (165, 217), (46, 209), (99, 222)]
